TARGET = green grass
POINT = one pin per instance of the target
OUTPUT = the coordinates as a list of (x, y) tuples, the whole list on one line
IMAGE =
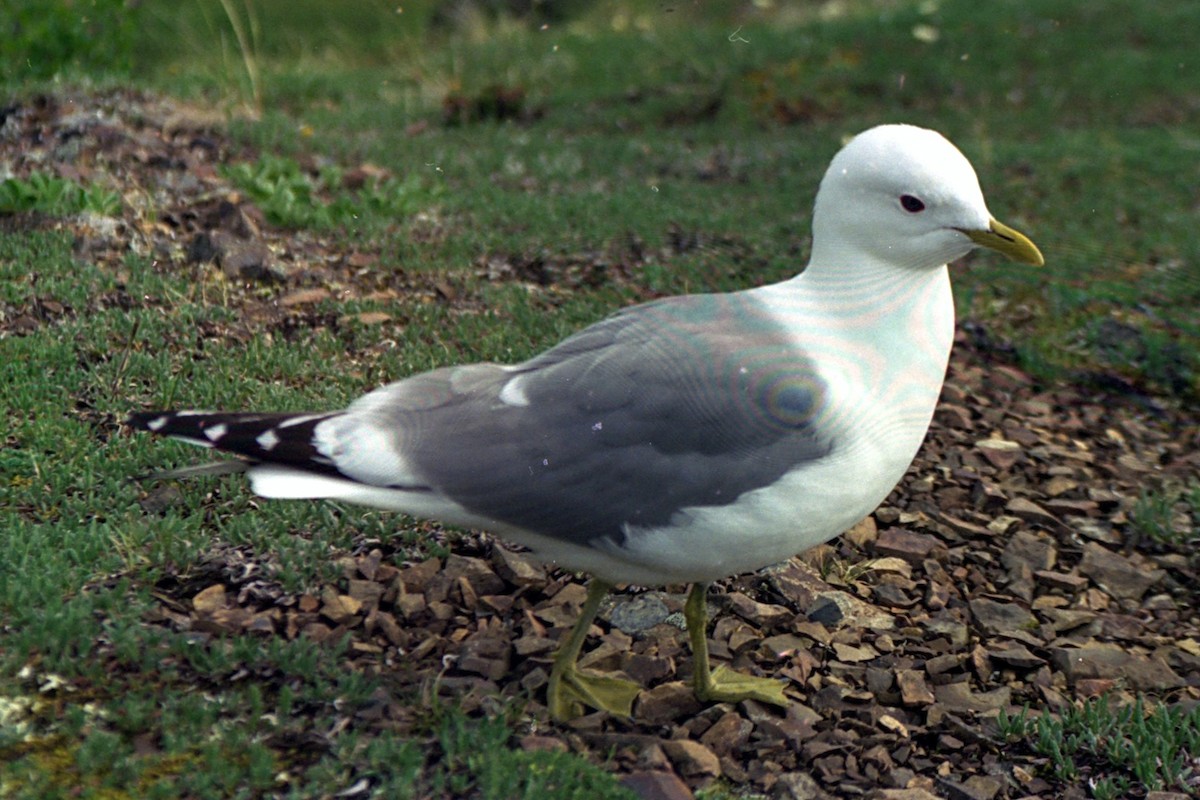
[(55, 196), (1114, 747), (642, 122)]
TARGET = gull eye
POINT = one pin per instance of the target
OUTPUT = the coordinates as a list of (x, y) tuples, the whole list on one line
[(912, 205)]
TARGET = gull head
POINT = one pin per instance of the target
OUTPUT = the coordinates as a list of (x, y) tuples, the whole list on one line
[(903, 196)]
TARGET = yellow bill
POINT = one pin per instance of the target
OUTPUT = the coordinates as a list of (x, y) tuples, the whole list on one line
[(1010, 242)]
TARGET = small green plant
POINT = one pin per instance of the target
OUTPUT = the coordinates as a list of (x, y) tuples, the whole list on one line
[(1154, 515), (1014, 727), (1156, 747), (56, 196), (1110, 788), (476, 762), (248, 36), (293, 197)]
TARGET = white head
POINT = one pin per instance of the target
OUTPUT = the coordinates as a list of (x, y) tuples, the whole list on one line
[(903, 195)]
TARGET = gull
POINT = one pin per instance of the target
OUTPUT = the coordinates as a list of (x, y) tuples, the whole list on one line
[(683, 440)]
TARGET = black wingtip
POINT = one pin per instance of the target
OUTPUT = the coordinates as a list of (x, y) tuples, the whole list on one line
[(142, 419)]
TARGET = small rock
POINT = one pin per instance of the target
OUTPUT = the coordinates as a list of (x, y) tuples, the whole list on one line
[(987, 497), (1061, 580), (639, 612), (782, 646), (1000, 618), (853, 655), (1033, 550), (1000, 453), (1059, 485), (657, 785), (959, 697), (1106, 660), (761, 614), (210, 598), (667, 702), (535, 743), (913, 691), (518, 568), (912, 547), (479, 574), (727, 734), (692, 759), (1116, 574), (337, 607), (302, 297), (1017, 655), (1031, 512), (903, 794), (366, 592), (798, 786)]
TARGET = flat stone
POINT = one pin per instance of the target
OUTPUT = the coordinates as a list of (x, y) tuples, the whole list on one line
[(667, 702), (535, 743), (913, 691), (518, 568), (1000, 618), (1061, 580), (912, 547), (657, 785), (798, 786), (479, 573), (210, 598), (782, 646), (1000, 453), (1016, 655), (959, 697), (903, 794), (762, 614), (1106, 660), (1031, 512), (692, 759), (639, 612), (727, 734), (1116, 574), (955, 631), (1028, 548)]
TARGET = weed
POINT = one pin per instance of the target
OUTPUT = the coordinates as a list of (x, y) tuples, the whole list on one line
[(248, 46), (293, 197), (1167, 516), (1154, 746), (56, 196), (1014, 727)]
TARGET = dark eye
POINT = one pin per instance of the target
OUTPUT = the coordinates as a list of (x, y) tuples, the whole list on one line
[(911, 204)]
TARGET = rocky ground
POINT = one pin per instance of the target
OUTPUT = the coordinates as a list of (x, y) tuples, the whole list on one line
[(1003, 572)]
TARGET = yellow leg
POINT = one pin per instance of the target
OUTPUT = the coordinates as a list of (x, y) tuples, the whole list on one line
[(570, 689), (721, 685)]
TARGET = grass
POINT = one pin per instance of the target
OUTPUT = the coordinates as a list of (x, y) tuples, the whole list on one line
[(55, 196), (640, 123), (1115, 747), (1168, 516)]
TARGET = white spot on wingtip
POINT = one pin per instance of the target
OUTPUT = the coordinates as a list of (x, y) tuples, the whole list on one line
[(268, 439), (158, 423), (513, 395), (300, 420), (216, 432)]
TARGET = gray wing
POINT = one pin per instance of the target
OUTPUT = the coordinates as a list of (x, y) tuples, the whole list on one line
[(686, 402)]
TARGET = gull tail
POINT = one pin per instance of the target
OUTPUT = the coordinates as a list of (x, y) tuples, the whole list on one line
[(280, 455), (283, 439)]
